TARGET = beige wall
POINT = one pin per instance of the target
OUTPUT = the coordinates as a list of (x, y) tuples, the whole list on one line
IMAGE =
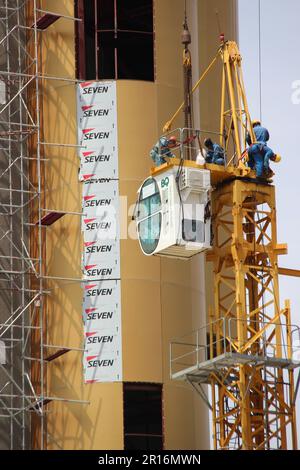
[(161, 299)]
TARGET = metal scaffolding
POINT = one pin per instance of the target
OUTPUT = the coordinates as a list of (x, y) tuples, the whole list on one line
[(24, 349)]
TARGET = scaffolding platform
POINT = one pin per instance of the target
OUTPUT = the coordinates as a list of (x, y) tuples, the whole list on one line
[(41, 403), (201, 372), (219, 173), (46, 20), (57, 354), (51, 217)]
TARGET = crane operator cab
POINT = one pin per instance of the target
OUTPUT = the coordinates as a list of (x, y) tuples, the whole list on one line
[(173, 212)]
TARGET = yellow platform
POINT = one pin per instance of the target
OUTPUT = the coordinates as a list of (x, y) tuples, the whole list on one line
[(219, 173)]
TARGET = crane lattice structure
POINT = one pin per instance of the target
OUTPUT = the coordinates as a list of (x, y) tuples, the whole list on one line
[(246, 352)]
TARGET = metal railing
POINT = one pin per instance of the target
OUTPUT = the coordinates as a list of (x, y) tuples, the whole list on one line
[(262, 341), (191, 143)]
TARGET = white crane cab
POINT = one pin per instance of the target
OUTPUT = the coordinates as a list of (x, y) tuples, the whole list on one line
[(173, 213)]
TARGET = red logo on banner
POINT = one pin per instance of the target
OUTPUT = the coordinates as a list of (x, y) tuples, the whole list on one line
[(86, 154), (90, 266), (85, 108), (89, 244), (87, 177), (89, 358), (84, 84), (87, 221), (86, 131), (90, 310), (91, 286), (92, 333)]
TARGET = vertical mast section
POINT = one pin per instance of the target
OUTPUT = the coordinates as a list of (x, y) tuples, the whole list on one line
[(252, 405), (187, 82)]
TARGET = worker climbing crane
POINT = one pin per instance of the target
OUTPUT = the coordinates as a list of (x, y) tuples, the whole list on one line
[(226, 208)]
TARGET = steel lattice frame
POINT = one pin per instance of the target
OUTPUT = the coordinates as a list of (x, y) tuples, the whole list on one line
[(18, 73), (252, 401), (23, 274), (248, 358)]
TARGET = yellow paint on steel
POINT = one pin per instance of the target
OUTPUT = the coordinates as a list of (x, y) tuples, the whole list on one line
[(247, 309), (239, 125), (219, 173), (289, 272), (168, 124)]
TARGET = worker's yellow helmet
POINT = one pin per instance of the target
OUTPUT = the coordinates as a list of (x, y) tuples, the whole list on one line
[(277, 158), (256, 123)]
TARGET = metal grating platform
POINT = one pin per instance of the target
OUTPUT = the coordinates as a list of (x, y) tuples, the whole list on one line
[(201, 372)]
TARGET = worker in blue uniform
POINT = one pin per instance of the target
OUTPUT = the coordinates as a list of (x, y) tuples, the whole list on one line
[(259, 153), (214, 153), (162, 149)]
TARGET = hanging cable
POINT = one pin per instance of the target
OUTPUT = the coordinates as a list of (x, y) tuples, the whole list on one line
[(260, 61), (187, 80)]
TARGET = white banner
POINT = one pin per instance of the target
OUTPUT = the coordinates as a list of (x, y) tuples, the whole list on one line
[(96, 92), (101, 293), (91, 137), (100, 197), (91, 114), (100, 204), (106, 340), (102, 316), (105, 227), (100, 250), (97, 136), (96, 185), (104, 269), (102, 367), (102, 161)]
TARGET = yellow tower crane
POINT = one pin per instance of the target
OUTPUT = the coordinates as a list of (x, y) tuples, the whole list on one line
[(246, 353)]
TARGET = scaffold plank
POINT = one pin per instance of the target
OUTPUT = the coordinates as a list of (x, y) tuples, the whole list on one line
[(50, 218), (45, 21), (57, 354)]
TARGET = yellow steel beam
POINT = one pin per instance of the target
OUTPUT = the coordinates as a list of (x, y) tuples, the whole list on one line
[(242, 271), (289, 272)]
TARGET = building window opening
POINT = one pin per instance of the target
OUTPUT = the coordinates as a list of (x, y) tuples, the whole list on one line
[(143, 429), (115, 39)]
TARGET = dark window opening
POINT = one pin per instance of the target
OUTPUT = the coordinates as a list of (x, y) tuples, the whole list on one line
[(143, 429), (89, 38), (115, 39)]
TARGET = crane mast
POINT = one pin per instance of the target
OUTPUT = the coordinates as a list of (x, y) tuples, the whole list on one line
[(253, 396), (250, 334)]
